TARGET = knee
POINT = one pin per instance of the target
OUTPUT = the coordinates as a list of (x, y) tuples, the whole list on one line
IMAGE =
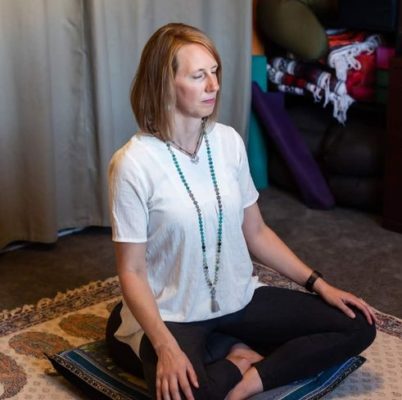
[(113, 324), (369, 333), (364, 332), (121, 353)]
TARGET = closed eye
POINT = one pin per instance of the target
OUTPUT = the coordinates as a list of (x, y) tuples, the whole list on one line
[(202, 73)]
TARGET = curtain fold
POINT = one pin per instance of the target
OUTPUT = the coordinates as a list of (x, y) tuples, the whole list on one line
[(66, 68)]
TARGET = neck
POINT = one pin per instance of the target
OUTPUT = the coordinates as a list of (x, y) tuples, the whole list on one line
[(186, 132)]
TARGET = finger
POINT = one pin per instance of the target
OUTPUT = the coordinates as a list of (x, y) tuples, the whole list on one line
[(158, 389), (348, 311), (371, 311), (165, 390), (359, 304), (193, 376), (366, 313), (374, 315), (174, 388), (185, 387), (366, 309), (363, 307)]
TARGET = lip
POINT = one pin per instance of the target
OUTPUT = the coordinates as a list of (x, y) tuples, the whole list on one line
[(209, 101)]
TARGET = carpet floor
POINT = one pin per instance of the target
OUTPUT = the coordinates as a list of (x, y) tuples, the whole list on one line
[(349, 247), (79, 316)]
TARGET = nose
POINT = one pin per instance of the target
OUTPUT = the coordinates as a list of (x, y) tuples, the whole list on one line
[(212, 83)]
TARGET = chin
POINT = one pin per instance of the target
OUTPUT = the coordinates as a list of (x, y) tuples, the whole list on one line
[(207, 113)]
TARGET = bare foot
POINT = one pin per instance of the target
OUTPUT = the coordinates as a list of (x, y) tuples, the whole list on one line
[(243, 357), (249, 385)]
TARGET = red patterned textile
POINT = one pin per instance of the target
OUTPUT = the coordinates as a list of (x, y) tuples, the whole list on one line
[(347, 74)]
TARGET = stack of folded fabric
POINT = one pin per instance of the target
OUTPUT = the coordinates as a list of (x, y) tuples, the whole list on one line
[(345, 75), (352, 55)]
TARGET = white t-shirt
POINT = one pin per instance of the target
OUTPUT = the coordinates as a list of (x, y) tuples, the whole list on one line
[(149, 203)]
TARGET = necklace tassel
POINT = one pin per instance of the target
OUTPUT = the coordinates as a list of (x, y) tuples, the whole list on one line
[(214, 305)]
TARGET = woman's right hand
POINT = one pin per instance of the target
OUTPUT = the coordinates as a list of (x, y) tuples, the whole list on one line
[(174, 372)]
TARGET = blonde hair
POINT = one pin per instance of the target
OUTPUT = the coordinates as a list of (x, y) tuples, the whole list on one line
[(152, 95)]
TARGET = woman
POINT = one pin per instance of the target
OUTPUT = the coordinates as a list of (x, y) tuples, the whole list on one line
[(184, 218)]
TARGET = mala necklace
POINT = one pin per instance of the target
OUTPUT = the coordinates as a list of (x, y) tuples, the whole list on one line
[(211, 283)]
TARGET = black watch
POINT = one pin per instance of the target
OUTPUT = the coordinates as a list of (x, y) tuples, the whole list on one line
[(311, 280)]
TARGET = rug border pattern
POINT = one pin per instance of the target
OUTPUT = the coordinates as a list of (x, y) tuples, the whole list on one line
[(46, 309)]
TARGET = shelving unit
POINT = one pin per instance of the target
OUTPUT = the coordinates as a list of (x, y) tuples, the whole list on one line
[(392, 212)]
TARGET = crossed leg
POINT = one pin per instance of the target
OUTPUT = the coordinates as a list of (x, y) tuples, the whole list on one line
[(297, 334), (302, 333)]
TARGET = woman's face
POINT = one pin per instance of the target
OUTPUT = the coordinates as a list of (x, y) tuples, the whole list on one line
[(196, 81)]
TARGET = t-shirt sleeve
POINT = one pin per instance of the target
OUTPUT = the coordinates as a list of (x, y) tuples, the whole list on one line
[(248, 190), (127, 202)]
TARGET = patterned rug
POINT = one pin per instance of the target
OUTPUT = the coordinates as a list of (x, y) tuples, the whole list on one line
[(79, 316)]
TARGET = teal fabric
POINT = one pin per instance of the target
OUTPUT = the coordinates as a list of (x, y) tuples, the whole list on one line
[(257, 150), (91, 369)]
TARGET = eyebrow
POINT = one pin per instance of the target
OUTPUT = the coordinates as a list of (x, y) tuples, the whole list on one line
[(204, 69)]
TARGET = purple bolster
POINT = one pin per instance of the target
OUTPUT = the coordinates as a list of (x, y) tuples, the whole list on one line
[(270, 110)]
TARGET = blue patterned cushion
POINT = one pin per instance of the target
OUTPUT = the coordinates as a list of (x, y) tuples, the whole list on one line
[(90, 368)]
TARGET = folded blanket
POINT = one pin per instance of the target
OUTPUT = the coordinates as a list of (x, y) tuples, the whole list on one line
[(300, 78), (347, 74)]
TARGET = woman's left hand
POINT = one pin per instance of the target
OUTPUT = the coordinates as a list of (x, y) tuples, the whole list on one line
[(342, 300)]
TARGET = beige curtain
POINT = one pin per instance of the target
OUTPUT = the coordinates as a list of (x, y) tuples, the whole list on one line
[(65, 71)]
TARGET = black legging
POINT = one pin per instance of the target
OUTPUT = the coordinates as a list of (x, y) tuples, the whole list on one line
[(298, 333)]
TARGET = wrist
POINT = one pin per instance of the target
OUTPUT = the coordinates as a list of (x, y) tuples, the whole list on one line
[(162, 346), (313, 280), (319, 286)]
